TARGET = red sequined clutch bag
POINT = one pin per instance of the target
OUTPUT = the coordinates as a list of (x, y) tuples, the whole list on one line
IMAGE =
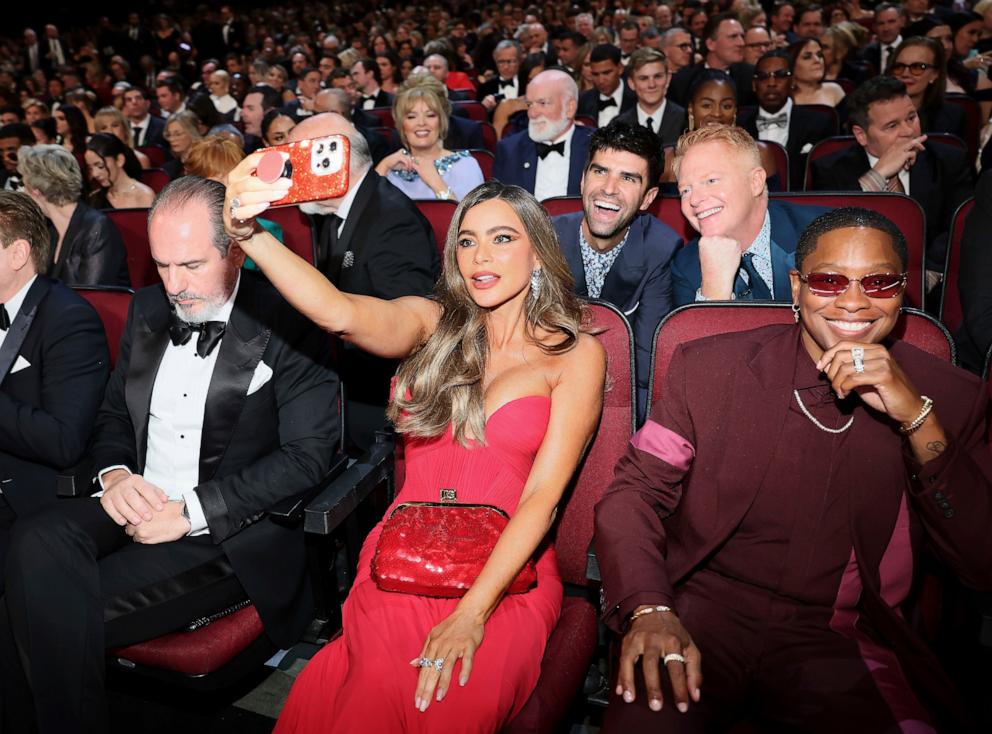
[(439, 548)]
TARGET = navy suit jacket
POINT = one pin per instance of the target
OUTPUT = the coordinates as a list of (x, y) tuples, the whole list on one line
[(639, 283), (589, 102), (516, 160), (788, 222)]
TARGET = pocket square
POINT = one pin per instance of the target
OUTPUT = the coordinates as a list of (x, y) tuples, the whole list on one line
[(263, 373), (806, 149), (20, 364)]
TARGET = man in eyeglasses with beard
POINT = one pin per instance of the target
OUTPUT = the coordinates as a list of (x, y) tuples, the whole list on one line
[(776, 119)]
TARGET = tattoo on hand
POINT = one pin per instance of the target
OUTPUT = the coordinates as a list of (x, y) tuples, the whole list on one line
[(936, 447)]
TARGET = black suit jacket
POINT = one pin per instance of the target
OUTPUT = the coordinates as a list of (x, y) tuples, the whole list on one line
[(92, 251), (806, 128), (589, 102), (492, 87), (154, 134), (974, 275), (54, 365), (742, 74), (382, 99), (674, 121), (255, 450), (516, 160), (386, 249), (940, 181), (464, 134)]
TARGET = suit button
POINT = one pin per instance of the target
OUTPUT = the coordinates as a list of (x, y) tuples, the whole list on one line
[(938, 496), (944, 505), (933, 479), (948, 514)]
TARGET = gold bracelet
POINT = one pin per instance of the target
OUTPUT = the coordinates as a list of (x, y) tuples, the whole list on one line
[(649, 610), (919, 419)]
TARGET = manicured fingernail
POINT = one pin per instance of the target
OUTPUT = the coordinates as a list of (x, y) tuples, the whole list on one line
[(628, 696), (423, 705), (415, 662), (417, 703), (462, 680), (683, 707), (654, 704), (697, 694), (440, 693), (619, 690)]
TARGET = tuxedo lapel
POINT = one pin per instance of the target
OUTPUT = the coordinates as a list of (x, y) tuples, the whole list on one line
[(18, 330), (241, 349), (573, 253), (358, 208), (576, 161), (148, 344), (622, 281), (528, 163), (782, 263)]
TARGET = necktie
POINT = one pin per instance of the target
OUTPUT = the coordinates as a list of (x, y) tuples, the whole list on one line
[(604, 103), (649, 124), (505, 83), (136, 129), (335, 253), (756, 289), (4, 318), (767, 123), (895, 185), (210, 333), (134, 33), (544, 148)]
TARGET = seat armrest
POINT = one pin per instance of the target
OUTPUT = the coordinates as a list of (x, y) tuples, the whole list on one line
[(592, 563), (290, 510), (342, 496)]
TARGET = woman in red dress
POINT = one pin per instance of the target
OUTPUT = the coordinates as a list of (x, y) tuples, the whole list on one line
[(499, 395)]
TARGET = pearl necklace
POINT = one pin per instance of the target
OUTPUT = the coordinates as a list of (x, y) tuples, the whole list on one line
[(816, 422)]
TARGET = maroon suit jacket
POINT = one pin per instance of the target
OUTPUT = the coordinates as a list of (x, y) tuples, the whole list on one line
[(693, 470)]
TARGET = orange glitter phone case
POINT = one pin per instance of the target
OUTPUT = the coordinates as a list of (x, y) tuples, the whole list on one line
[(317, 167)]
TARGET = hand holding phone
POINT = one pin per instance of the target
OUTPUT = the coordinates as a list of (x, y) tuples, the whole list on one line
[(318, 168)]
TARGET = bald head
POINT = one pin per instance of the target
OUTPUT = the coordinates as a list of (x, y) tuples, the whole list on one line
[(437, 65), (331, 123), (333, 100), (557, 82)]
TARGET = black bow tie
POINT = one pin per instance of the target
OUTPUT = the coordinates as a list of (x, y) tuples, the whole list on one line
[(506, 83), (4, 318), (544, 148), (210, 332), (604, 103), (370, 98)]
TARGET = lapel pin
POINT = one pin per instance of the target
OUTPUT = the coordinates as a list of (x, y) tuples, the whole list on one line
[(349, 259), (526, 164)]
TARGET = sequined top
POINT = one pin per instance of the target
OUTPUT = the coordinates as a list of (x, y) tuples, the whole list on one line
[(597, 264), (459, 171)]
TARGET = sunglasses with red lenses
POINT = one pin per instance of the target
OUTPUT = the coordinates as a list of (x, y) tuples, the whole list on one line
[(874, 285)]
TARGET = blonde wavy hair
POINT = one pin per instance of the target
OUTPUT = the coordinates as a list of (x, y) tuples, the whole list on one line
[(441, 383), (423, 87)]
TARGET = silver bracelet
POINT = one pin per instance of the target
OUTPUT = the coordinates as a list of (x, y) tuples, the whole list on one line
[(446, 194)]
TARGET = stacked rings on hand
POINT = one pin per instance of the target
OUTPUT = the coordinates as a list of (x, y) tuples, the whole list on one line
[(673, 657), (436, 663), (235, 203), (858, 355)]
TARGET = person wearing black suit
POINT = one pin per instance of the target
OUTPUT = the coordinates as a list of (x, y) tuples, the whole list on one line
[(797, 128), (232, 31), (889, 20), (216, 427), (368, 80), (747, 244), (32, 58), (546, 159), (136, 39), (610, 95), (53, 368), (147, 128), (892, 156), (648, 76), (614, 248), (724, 39), (508, 82), (372, 241), (55, 52), (974, 337)]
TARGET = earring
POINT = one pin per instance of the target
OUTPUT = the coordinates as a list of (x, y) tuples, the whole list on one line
[(795, 312), (536, 276)]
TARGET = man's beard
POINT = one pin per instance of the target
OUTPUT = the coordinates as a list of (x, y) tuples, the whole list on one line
[(549, 129), (207, 310)]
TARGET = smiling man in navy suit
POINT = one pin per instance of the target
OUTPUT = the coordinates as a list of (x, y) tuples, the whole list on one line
[(548, 157), (614, 248)]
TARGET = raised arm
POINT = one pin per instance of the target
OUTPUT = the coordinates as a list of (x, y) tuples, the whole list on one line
[(389, 329)]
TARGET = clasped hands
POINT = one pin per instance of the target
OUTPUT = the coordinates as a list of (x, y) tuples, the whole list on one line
[(144, 510)]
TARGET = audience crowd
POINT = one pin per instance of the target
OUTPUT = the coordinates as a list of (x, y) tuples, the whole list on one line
[(681, 131)]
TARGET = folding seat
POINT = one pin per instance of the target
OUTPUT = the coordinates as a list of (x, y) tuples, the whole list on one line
[(133, 226), (299, 234), (155, 178), (486, 160), (471, 110), (155, 153), (951, 310), (439, 213), (112, 305)]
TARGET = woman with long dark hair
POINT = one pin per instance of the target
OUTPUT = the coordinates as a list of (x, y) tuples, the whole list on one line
[(115, 169), (919, 63), (499, 393)]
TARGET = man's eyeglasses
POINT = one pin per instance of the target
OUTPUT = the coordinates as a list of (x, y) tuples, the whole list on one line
[(684, 46), (759, 44), (763, 76), (916, 68), (874, 285)]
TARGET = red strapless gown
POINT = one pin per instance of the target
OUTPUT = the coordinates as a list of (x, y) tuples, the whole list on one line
[(363, 681)]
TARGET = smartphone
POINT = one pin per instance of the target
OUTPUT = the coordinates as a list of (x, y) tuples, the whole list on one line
[(318, 168)]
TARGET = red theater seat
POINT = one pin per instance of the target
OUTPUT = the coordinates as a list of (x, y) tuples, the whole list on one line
[(951, 312), (155, 178), (112, 305), (156, 155), (297, 230), (133, 226), (439, 213), (486, 160)]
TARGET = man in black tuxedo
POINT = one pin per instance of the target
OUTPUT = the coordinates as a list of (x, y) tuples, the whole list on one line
[(55, 52), (724, 39), (507, 83), (368, 79), (889, 21), (53, 368), (137, 39), (372, 241), (892, 155), (232, 32), (614, 248), (32, 57), (648, 76), (778, 120), (221, 404), (147, 129), (609, 96)]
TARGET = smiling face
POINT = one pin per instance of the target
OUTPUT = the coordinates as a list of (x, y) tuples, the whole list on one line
[(721, 189), (615, 187), (826, 320), (714, 103), (903, 69), (495, 256), (650, 83), (421, 127)]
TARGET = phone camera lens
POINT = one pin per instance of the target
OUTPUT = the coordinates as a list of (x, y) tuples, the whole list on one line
[(334, 146)]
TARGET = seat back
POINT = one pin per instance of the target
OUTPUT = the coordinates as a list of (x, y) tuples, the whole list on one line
[(972, 120), (471, 110), (111, 304), (575, 524), (586, 121), (133, 226), (781, 156), (156, 155), (558, 205), (155, 178), (489, 138), (486, 160), (699, 320), (297, 230), (951, 311), (385, 115), (823, 149), (439, 213)]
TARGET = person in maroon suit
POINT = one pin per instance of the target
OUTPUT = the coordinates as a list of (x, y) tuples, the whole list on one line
[(762, 530)]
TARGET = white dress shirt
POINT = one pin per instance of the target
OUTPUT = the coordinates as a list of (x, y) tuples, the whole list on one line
[(175, 421), (14, 305), (224, 104), (884, 53), (551, 177), (140, 130), (607, 114), (903, 174), (508, 92), (777, 133), (655, 117)]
